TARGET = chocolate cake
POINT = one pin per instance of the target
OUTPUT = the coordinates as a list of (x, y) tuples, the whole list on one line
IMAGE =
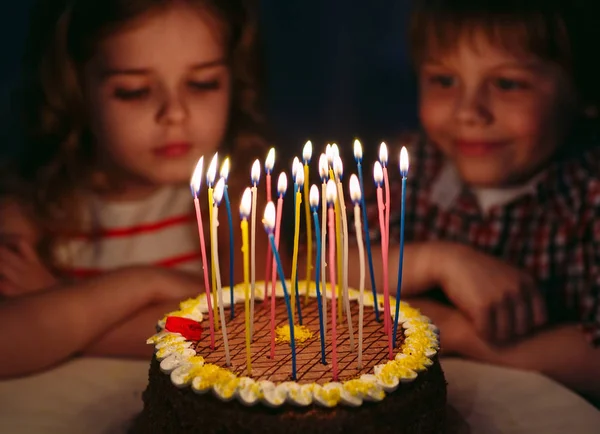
[(192, 390)]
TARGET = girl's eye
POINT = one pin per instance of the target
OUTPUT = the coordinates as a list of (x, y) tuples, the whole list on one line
[(204, 85), (508, 84), (131, 94), (442, 80)]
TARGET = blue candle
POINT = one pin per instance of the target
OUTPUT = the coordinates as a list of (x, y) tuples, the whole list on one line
[(358, 157), (314, 205), (404, 173), (224, 175), (269, 222)]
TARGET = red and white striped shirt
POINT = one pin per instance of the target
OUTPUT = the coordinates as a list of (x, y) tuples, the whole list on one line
[(160, 230)]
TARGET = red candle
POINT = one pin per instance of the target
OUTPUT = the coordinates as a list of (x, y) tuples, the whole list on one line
[(331, 198)]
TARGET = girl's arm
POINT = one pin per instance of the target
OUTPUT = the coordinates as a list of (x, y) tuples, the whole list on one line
[(48, 327)]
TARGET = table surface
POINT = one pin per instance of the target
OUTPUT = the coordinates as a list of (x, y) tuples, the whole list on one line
[(100, 396)]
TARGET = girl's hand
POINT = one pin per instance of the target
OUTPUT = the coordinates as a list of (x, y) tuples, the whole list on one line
[(21, 270), (502, 301)]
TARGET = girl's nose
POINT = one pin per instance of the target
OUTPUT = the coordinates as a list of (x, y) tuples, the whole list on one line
[(173, 110)]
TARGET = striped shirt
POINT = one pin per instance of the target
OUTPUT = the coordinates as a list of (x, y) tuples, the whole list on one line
[(160, 230)]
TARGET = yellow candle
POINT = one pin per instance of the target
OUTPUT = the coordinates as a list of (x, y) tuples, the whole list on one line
[(338, 239), (295, 256), (244, 211), (211, 173), (306, 156)]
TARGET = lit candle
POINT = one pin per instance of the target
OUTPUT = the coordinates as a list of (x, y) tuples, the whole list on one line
[(306, 157), (355, 195), (245, 205), (224, 176), (323, 169), (338, 170), (298, 184), (338, 225), (218, 195), (269, 223), (255, 177), (383, 158), (314, 204), (281, 189), (269, 164), (404, 173), (195, 184), (358, 155), (378, 176), (211, 174), (331, 200)]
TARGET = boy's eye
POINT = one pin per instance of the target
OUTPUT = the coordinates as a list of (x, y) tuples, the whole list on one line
[(131, 94), (508, 84), (442, 80), (204, 85)]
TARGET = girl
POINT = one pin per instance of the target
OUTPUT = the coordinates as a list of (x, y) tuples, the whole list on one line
[(504, 195), (122, 99)]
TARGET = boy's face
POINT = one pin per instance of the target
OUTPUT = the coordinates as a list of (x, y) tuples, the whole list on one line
[(498, 116), (159, 96)]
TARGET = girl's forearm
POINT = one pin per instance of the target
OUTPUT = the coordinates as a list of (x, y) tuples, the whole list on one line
[(53, 325)]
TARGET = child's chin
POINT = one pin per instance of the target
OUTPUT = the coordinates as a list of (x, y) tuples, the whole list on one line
[(483, 177)]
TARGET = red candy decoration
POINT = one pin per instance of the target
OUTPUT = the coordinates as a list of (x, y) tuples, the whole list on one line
[(188, 328)]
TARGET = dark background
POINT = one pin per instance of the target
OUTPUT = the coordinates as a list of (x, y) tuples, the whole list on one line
[(336, 70)]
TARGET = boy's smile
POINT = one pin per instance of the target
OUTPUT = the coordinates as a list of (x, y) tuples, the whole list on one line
[(498, 116)]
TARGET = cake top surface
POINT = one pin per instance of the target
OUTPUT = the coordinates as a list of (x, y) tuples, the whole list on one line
[(193, 363)]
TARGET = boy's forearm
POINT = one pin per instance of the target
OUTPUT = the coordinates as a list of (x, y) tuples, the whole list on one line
[(128, 339), (53, 325), (561, 353)]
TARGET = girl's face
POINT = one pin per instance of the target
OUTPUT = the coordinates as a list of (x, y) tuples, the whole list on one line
[(159, 95), (498, 116)]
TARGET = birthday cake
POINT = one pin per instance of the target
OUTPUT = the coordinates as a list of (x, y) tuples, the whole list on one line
[(192, 389)]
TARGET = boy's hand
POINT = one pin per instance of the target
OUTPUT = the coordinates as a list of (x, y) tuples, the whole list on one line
[(21, 270), (502, 301)]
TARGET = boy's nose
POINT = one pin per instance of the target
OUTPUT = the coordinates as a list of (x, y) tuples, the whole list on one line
[(472, 107)]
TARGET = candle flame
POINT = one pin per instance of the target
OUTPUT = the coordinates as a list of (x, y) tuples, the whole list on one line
[(295, 168), (358, 152), (403, 161), (225, 169), (269, 217), (300, 176), (270, 161), (282, 184), (338, 168), (355, 193), (307, 152), (255, 172), (218, 193), (329, 154), (196, 180), (246, 203), (331, 192), (323, 167), (378, 173), (314, 196), (211, 173), (383, 154), (335, 152)]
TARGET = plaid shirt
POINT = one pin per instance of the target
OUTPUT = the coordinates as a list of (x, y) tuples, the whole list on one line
[(553, 232)]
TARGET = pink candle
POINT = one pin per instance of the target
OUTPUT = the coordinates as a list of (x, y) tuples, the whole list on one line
[(378, 175), (269, 163), (331, 198), (281, 189), (195, 183)]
